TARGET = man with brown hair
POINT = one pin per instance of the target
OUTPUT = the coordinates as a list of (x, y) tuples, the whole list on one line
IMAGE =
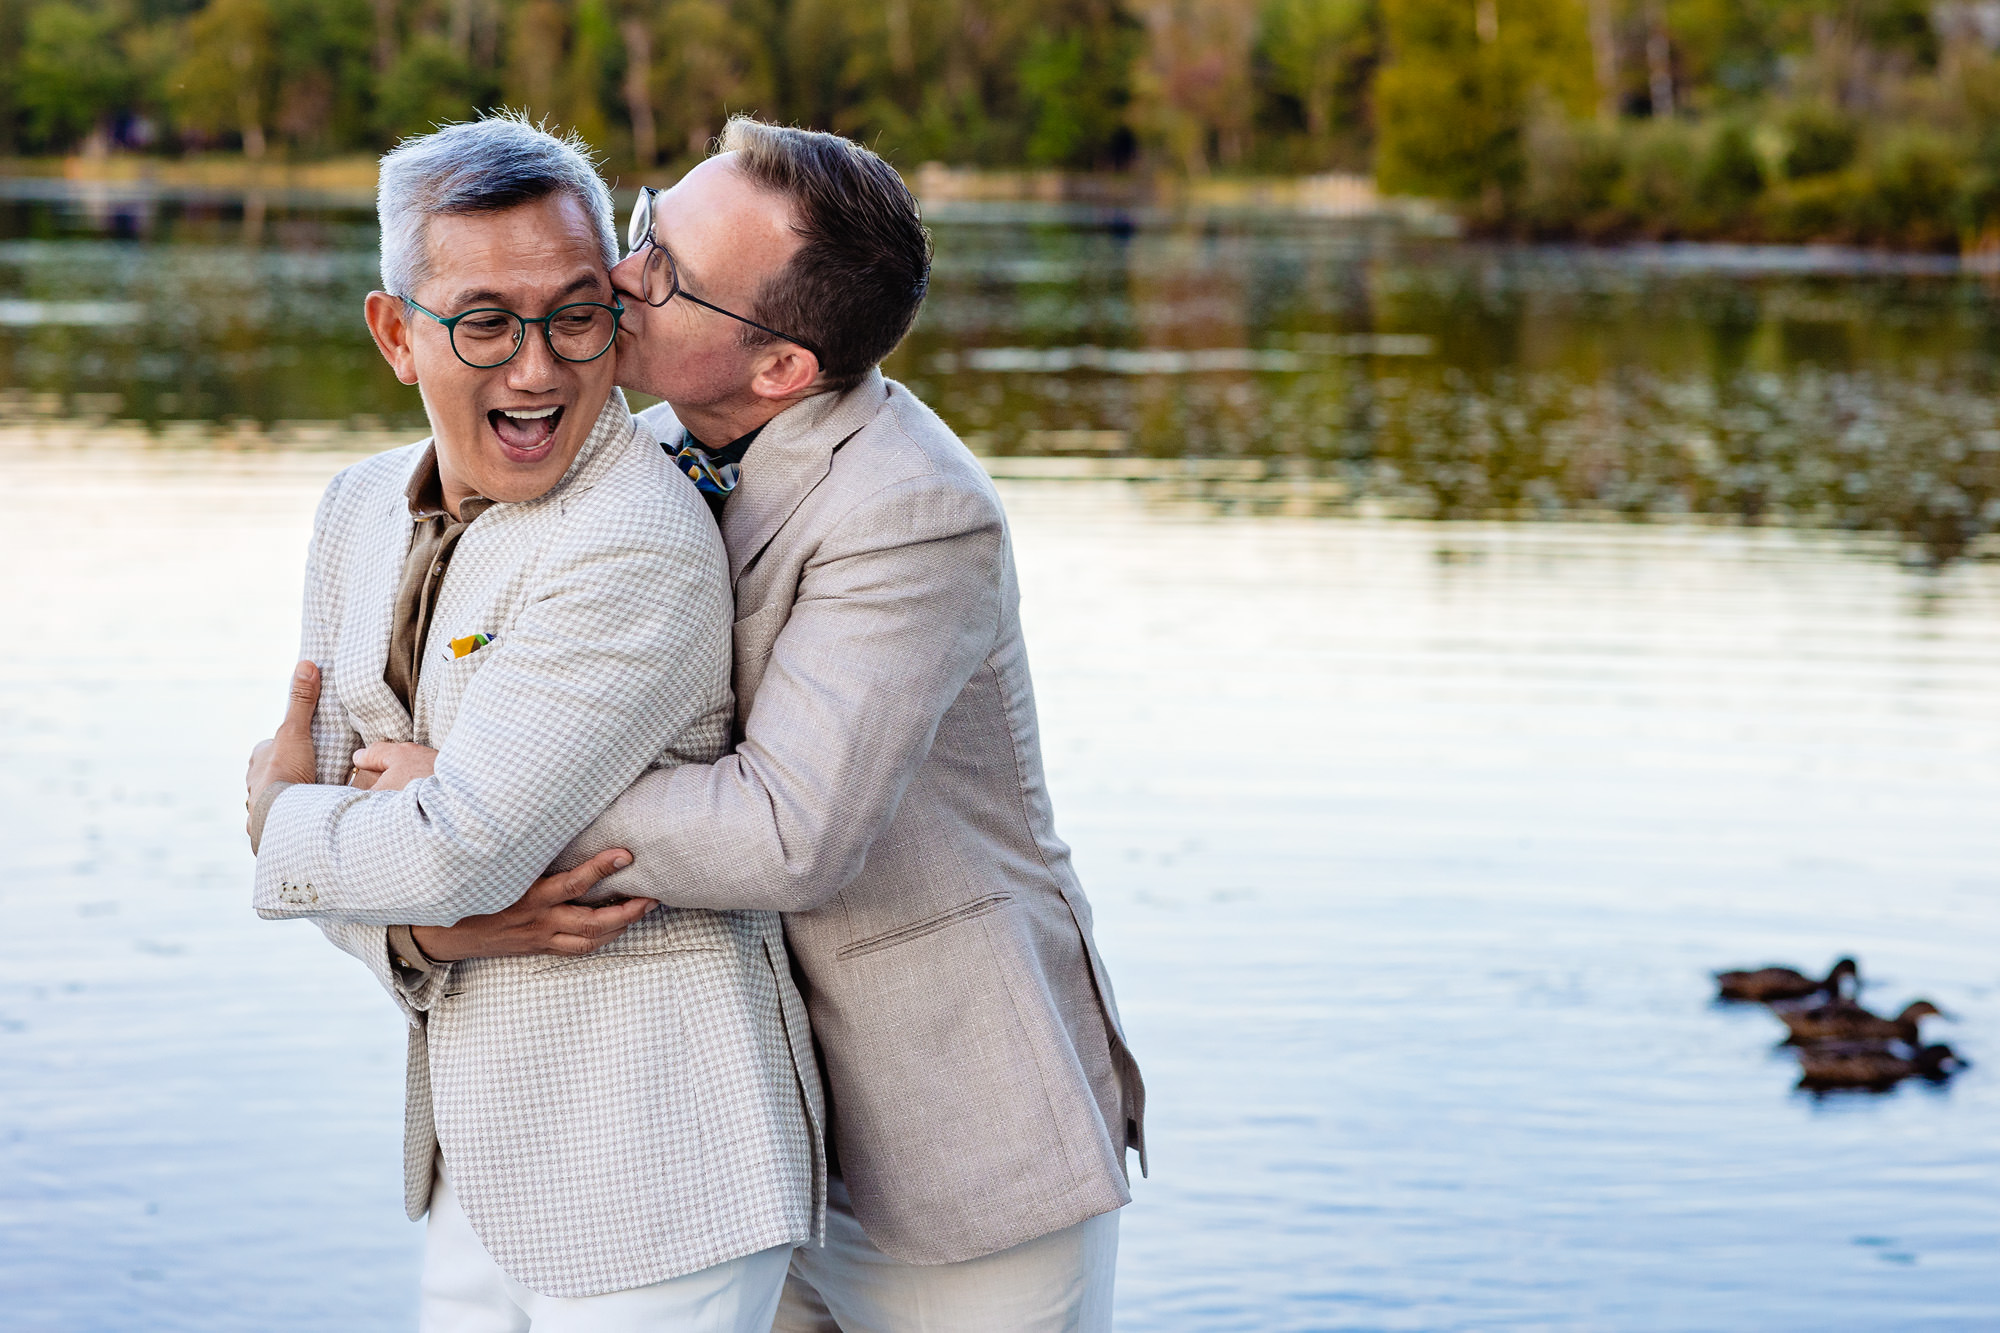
[(885, 790)]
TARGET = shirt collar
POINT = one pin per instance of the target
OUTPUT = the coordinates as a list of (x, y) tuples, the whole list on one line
[(729, 453), (426, 492)]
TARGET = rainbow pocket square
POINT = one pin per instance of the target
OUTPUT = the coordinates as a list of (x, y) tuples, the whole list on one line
[(470, 644)]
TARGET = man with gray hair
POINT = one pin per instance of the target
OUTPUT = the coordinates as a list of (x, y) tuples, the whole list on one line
[(613, 1125)]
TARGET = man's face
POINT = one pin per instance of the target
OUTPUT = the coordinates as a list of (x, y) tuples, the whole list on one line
[(728, 236), (508, 432)]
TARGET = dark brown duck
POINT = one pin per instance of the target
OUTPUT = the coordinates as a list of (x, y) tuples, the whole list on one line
[(1844, 1020), (1872, 1065), (1766, 984)]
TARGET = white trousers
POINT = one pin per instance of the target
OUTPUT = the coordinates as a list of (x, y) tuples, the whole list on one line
[(464, 1291), (1058, 1283)]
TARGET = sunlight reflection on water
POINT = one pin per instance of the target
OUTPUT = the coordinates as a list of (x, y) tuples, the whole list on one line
[(1410, 843)]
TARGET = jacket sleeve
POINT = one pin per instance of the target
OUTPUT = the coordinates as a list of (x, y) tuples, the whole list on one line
[(896, 610), (334, 742), (622, 649)]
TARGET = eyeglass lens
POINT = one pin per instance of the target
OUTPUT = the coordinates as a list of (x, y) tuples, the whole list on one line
[(656, 272), (486, 338), (641, 221), (656, 276)]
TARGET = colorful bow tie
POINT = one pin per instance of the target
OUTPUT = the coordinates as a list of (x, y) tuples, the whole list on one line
[(708, 476)]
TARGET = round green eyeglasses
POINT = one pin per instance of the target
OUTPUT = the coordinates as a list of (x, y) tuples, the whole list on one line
[(489, 337)]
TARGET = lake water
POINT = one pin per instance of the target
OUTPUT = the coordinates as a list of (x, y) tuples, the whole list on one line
[(1412, 842)]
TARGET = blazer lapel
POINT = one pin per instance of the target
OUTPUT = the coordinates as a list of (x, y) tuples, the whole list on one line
[(383, 546), (791, 456)]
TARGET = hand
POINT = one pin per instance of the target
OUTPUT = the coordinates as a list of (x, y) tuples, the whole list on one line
[(544, 921), (288, 755), (392, 766)]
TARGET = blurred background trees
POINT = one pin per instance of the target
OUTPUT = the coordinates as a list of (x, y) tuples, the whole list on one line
[(1873, 121)]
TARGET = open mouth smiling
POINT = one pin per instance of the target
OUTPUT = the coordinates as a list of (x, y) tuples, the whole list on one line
[(525, 431)]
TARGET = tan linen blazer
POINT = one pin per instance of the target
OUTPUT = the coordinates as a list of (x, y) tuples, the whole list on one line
[(886, 792), (612, 1120)]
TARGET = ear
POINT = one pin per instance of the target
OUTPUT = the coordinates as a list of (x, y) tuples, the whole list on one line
[(785, 370), (389, 323)]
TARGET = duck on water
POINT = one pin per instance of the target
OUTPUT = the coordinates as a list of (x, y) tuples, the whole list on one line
[(1873, 1065), (1764, 985), (1844, 1020)]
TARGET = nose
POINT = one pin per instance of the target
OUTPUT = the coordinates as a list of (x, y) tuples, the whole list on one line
[(534, 368), (626, 275)]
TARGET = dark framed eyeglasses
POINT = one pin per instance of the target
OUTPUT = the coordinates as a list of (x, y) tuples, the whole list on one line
[(659, 276), (489, 337)]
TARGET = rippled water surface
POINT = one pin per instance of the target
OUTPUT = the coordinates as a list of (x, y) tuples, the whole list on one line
[(1337, 366), (1411, 842)]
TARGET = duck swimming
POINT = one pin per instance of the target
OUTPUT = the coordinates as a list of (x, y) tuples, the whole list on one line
[(1873, 1065), (1766, 984), (1844, 1020)]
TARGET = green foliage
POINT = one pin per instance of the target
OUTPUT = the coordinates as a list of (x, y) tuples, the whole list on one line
[(1867, 121), (1863, 127), (72, 77), (430, 84), (225, 79), (1655, 192), (1461, 84), (1076, 90), (1318, 52), (1731, 176), (1574, 173), (1727, 51), (1916, 179), (1818, 139)]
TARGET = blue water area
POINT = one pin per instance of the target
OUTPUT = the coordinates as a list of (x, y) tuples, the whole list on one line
[(1411, 844)]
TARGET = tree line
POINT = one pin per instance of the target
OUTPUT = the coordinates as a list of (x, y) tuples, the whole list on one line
[(1863, 119)]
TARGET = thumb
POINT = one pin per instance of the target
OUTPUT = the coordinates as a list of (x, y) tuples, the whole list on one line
[(577, 882), (303, 699)]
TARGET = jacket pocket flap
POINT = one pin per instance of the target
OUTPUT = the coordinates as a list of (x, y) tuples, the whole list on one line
[(889, 939)]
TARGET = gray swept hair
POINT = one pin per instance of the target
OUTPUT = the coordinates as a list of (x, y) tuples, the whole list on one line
[(479, 166)]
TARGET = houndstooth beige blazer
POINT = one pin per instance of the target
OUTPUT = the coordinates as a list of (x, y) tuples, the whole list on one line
[(611, 1120), (886, 791)]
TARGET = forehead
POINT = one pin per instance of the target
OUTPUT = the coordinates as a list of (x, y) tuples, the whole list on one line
[(532, 249), (718, 214)]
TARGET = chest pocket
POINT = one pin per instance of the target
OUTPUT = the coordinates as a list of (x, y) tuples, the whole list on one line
[(441, 687)]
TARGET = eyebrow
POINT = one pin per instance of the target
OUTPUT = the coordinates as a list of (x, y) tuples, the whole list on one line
[(487, 296)]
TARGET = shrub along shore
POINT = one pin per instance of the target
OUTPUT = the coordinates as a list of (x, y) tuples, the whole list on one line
[(1800, 174)]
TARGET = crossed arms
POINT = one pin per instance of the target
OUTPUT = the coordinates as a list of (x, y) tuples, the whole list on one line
[(619, 656)]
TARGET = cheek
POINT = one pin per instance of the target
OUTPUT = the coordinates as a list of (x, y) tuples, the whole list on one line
[(452, 403), (684, 347), (709, 370)]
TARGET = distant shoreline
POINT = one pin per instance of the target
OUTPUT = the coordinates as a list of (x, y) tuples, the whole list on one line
[(350, 182)]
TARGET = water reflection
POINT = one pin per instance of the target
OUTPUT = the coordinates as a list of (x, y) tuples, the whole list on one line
[(1353, 365), (1410, 846)]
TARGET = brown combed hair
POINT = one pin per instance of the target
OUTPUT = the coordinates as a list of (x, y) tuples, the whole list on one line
[(854, 286)]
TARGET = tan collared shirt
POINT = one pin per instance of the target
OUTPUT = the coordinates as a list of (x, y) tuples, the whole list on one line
[(431, 545)]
